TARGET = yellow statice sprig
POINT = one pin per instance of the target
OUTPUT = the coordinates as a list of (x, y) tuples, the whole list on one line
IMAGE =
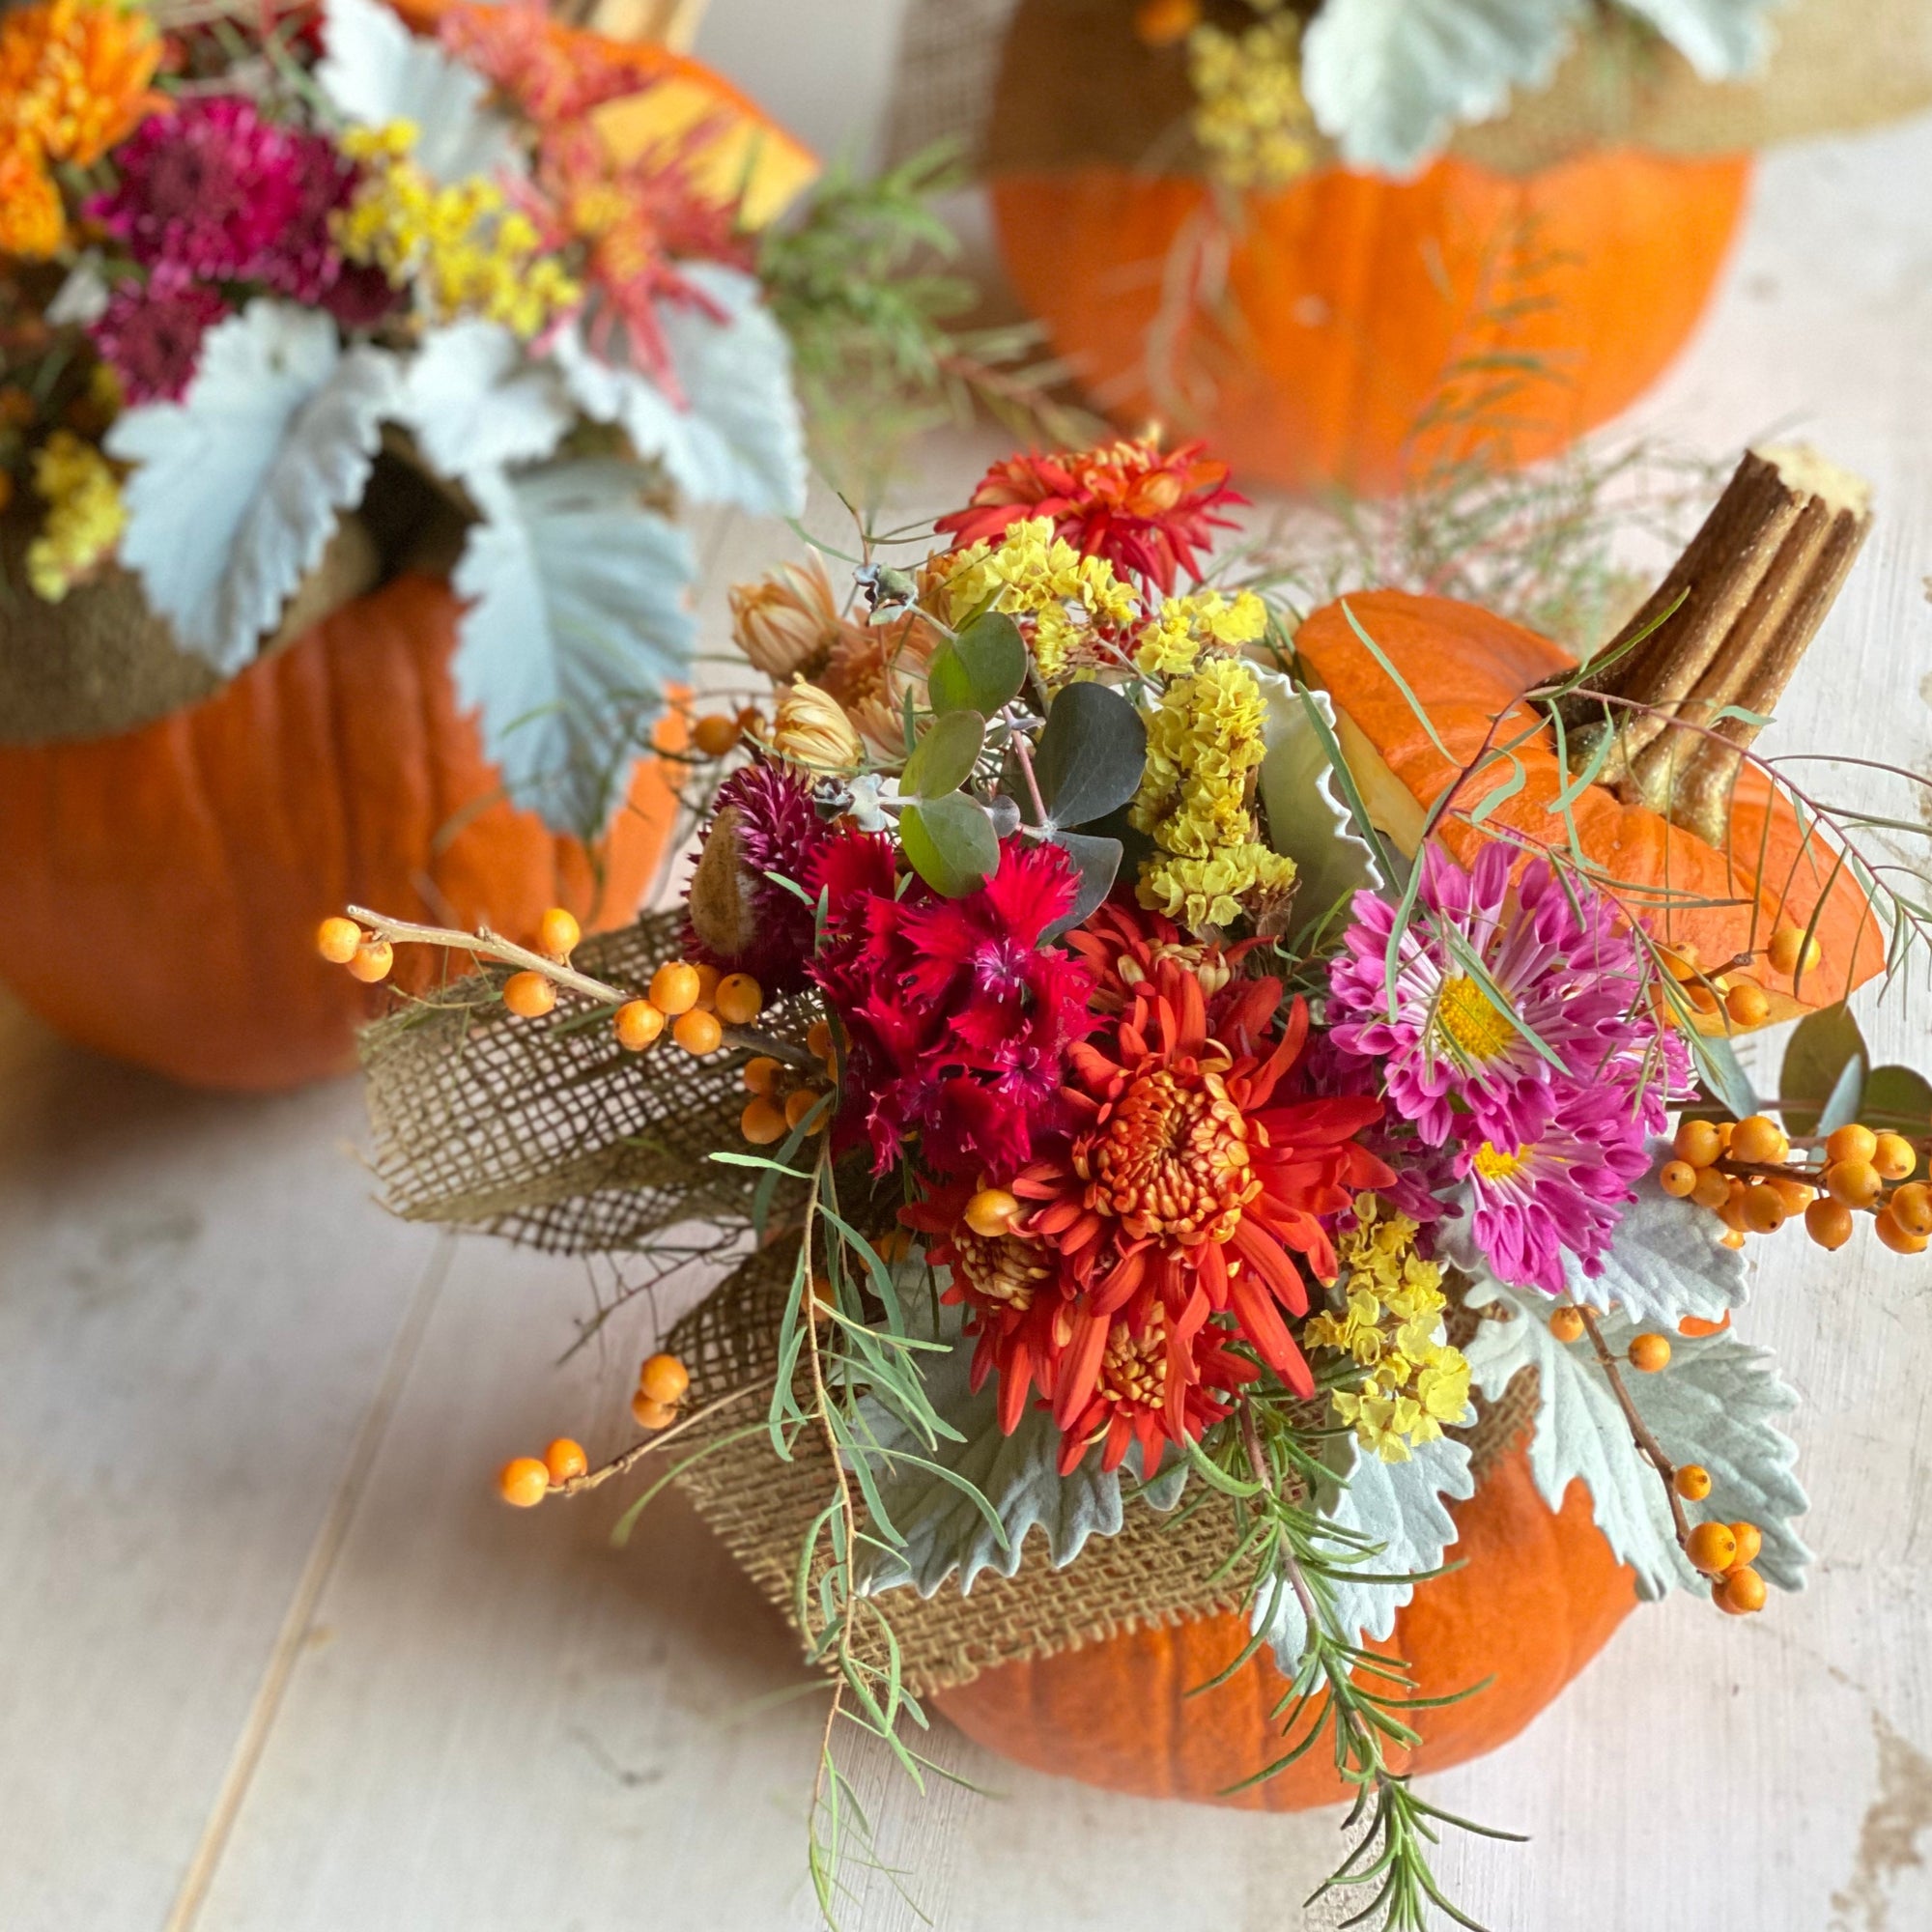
[(1204, 745), (1390, 1325), (461, 248), (1062, 600), (1175, 637), (85, 513), (1251, 118)]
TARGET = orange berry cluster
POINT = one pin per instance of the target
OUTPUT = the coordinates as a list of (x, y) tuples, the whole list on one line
[(1724, 1551), (1744, 1000), (662, 1384), (344, 943), (695, 999), (1744, 1172), (782, 1098), (525, 1480)]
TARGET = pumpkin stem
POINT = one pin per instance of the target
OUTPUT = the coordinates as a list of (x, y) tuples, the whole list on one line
[(1722, 633)]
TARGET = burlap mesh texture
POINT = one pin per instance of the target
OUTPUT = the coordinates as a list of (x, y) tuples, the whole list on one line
[(1158, 1570)]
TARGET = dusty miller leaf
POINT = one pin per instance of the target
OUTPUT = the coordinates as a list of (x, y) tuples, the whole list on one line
[(1018, 1475), (1721, 39), (240, 485), (1388, 81), (1306, 821), (476, 403), (737, 436), (375, 71), (1666, 1260), (1398, 1506), (1714, 1404), (577, 623)]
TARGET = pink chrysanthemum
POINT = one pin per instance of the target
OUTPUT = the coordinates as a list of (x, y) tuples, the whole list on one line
[(150, 334), (1566, 973), (213, 191), (1563, 1186)]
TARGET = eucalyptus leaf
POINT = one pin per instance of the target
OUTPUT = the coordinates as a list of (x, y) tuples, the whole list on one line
[(950, 844), (943, 760), (1099, 863), (1090, 754), (1899, 1099), (980, 670), (1825, 1062), (1723, 1074)]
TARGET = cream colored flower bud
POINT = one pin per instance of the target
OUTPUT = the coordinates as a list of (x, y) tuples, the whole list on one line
[(811, 729), (787, 622)]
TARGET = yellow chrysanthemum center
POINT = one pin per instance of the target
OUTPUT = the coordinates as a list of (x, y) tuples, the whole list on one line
[(1171, 1158), (1002, 1267), (1495, 1163), (1133, 1371), (1473, 1021), (1391, 1324)]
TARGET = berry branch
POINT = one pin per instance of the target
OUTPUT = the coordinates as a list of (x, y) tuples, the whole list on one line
[(1647, 1444), (620, 1465)]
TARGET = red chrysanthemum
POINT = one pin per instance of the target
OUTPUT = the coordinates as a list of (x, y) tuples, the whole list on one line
[(1150, 515), (957, 1021), (1174, 1216)]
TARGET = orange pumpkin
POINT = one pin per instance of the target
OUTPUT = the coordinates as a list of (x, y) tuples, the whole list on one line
[(1350, 299), (1116, 1713), (1467, 668), (163, 886)]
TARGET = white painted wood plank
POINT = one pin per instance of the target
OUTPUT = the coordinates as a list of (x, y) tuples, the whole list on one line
[(196, 1300)]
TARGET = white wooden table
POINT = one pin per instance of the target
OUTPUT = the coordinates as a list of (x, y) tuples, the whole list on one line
[(273, 1660)]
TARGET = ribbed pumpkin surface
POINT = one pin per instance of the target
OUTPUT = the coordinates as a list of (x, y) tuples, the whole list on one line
[(162, 886), (1348, 299), (1537, 1597)]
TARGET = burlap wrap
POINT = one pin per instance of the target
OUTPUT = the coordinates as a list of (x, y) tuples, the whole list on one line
[(1074, 86), (1158, 1570)]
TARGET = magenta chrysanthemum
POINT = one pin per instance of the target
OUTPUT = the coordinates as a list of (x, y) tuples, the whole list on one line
[(214, 191), (1568, 976), (150, 334)]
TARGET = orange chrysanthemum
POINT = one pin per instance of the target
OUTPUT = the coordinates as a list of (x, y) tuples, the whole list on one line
[(32, 221), (74, 74)]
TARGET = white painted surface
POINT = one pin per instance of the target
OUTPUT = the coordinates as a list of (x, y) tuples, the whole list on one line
[(271, 1660)]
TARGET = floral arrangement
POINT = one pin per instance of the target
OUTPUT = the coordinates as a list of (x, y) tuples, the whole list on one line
[(1142, 1109)]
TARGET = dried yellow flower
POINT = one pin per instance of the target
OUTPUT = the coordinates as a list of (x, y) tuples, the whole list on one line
[(813, 730)]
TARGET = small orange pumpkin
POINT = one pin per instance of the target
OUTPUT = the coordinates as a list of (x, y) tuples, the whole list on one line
[(163, 885), (1467, 668), (1349, 300), (1116, 1713)]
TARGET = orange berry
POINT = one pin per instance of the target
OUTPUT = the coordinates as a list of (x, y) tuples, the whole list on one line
[(1852, 1143), (649, 1414), (337, 939), (1895, 1156), (1713, 1189), (1895, 1237), (762, 1074), (1165, 23), (1677, 1177), (523, 1482), (528, 995), (739, 999), (565, 1459), (1764, 1209), (1649, 1352), (824, 1300), (1742, 1592), (557, 934), (801, 1103), (818, 1039), (1855, 1182), (991, 1213), (1829, 1223), (894, 1246), (674, 989), (1567, 1323), (1751, 1540), (1746, 1005), (699, 1033), (1732, 1213), (715, 734), (1732, 1239), (664, 1379), (1703, 998), (763, 1123), (1691, 1481), (1786, 943), (709, 977), (637, 1023), (1795, 1194), (1911, 1207), (1697, 1143), (372, 961), (1712, 1548), (1760, 1141)]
